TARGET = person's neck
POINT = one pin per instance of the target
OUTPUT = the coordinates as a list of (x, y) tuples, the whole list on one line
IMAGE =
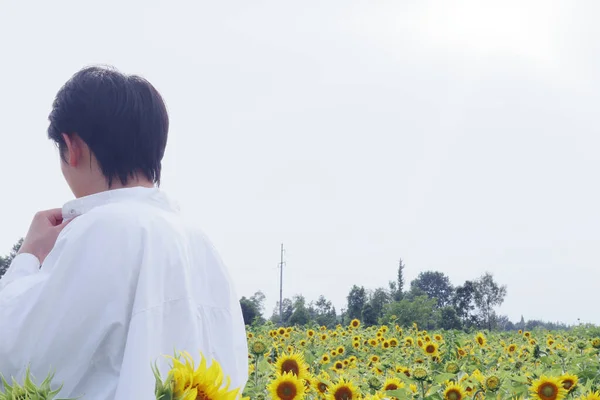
[(102, 185)]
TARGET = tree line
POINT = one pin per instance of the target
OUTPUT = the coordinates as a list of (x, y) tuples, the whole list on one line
[(431, 301)]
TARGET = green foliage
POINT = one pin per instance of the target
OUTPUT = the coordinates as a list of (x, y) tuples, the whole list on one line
[(436, 285), (419, 309), (29, 390), (252, 308), (357, 298), (5, 261), (488, 294), (300, 315)]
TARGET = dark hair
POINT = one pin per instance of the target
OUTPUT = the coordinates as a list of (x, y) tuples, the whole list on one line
[(122, 118)]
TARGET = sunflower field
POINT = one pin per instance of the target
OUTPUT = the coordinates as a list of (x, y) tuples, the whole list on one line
[(389, 362)]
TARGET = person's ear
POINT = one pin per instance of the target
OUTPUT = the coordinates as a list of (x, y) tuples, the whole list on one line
[(73, 150)]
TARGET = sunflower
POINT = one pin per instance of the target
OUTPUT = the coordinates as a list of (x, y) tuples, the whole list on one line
[(258, 347), (591, 396), (333, 353), (303, 343), (281, 331), (511, 348), (548, 388), (201, 383), (310, 333), (420, 342), (343, 390), (338, 365), (454, 392), (431, 349), (321, 384), (408, 341), (385, 344), (373, 342), (461, 352), (287, 386), (340, 350), (355, 323), (569, 382), (550, 342), (596, 343), (480, 339), (393, 384), (438, 337), (452, 367), (492, 383), (356, 345), (374, 358), (394, 342), (324, 337), (325, 359), (420, 373), (293, 363)]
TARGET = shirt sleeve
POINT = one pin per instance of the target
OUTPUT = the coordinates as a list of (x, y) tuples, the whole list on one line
[(60, 318), (21, 266)]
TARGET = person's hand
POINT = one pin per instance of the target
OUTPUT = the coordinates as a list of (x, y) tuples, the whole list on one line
[(43, 232)]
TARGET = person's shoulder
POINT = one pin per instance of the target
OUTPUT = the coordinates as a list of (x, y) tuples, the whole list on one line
[(113, 218)]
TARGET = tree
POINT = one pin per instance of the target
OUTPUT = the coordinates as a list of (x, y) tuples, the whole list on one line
[(369, 316), (249, 310), (5, 261), (288, 309), (400, 290), (488, 294), (300, 315), (258, 298), (418, 309), (357, 298), (323, 312), (378, 300), (436, 285), (464, 302), (449, 318), (522, 323)]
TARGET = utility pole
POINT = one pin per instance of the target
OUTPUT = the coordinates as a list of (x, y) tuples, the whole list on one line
[(281, 286)]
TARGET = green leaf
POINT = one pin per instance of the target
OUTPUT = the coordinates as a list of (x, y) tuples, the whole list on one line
[(443, 377)]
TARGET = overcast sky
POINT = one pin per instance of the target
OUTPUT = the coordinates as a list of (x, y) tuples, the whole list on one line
[(460, 136)]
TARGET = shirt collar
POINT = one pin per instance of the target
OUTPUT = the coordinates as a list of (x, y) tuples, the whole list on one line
[(84, 204)]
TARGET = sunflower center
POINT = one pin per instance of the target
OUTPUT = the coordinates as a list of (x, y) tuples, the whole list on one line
[(322, 387), (286, 391), (567, 384), (430, 349), (453, 394), (391, 386), (548, 391), (202, 396), (343, 393), (290, 366)]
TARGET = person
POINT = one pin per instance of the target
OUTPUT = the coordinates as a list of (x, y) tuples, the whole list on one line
[(115, 280)]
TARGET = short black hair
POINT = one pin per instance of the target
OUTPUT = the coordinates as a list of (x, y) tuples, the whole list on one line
[(122, 118)]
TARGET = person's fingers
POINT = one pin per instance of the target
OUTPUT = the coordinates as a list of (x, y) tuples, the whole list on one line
[(63, 224), (54, 216)]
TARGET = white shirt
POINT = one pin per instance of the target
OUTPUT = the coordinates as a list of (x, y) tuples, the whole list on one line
[(126, 283)]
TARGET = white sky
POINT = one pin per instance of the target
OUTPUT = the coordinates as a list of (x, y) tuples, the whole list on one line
[(460, 136)]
